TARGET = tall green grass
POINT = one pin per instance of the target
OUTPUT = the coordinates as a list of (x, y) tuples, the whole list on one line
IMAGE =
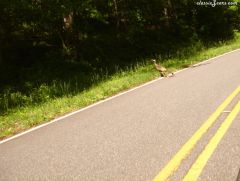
[(41, 102)]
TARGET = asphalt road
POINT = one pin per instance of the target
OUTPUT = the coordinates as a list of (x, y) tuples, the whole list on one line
[(133, 136)]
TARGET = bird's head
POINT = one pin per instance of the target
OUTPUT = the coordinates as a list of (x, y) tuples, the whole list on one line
[(154, 61)]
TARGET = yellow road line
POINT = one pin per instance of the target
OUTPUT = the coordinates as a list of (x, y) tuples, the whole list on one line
[(175, 162), (202, 159)]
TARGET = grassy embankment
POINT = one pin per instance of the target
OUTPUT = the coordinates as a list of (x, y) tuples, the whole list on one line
[(20, 118)]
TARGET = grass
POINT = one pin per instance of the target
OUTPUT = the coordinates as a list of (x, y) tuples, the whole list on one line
[(29, 114)]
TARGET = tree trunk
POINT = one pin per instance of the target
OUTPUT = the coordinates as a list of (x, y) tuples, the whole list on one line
[(68, 21), (116, 12)]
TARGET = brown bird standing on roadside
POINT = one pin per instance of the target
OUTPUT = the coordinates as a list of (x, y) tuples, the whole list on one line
[(163, 71)]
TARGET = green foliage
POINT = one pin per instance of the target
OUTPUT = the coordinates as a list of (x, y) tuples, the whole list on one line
[(40, 24), (50, 49)]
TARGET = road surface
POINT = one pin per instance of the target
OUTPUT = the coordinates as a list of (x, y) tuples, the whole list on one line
[(134, 136)]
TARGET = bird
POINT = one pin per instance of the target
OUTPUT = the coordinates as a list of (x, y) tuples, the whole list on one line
[(163, 71)]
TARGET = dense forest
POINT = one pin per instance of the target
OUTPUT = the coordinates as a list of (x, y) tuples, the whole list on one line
[(43, 42)]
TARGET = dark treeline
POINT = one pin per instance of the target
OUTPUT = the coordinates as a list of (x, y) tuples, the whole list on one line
[(46, 40), (104, 30)]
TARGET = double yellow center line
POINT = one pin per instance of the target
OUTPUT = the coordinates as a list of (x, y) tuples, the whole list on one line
[(201, 161)]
